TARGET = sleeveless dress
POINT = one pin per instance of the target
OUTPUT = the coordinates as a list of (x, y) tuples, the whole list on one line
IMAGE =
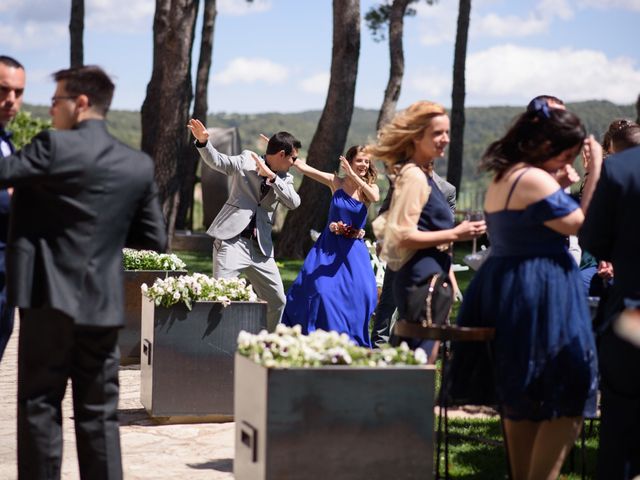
[(530, 289), (336, 287)]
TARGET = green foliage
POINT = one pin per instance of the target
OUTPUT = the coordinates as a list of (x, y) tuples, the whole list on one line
[(483, 125), (149, 260), (25, 127)]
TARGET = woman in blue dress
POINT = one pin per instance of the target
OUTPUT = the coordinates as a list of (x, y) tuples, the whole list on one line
[(336, 288), (420, 225), (529, 288)]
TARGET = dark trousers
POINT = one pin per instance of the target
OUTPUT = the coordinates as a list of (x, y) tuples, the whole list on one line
[(619, 449), (384, 311), (52, 349), (6, 320)]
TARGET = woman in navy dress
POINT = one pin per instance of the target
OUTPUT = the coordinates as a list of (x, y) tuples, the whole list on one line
[(420, 224), (529, 288), (336, 287)]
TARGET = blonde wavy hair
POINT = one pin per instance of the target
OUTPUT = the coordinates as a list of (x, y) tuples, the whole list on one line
[(395, 139)]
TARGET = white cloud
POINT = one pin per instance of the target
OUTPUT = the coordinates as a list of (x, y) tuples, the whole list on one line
[(439, 21), (512, 75), (318, 83), (251, 70), (31, 35), (242, 7), (119, 15), (432, 84), (633, 5)]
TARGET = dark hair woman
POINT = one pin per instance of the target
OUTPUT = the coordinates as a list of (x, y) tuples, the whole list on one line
[(336, 288), (544, 356)]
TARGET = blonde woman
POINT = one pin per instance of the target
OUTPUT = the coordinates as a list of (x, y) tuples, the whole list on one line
[(420, 225)]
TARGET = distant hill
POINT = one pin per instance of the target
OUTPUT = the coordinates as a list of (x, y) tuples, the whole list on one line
[(483, 125)]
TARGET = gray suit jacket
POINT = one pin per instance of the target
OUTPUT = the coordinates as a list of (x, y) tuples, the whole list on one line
[(447, 189), (245, 198)]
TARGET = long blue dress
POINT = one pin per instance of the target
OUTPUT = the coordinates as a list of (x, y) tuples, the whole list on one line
[(530, 289), (336, 287)]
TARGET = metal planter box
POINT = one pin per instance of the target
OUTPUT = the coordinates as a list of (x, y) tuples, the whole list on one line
[(129, 336), (187, 363), (336, 423)]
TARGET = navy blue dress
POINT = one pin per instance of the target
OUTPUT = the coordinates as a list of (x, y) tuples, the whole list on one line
[(336, 287), (530, 289), (436, 215)]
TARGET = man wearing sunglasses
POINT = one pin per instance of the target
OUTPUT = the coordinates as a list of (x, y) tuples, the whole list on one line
[(242, 229)]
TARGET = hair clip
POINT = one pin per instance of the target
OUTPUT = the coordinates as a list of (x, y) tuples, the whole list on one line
[(540, 107)]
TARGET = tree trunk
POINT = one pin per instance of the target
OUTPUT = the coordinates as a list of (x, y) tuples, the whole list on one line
[(456, 148), (329, 139), (76, 28), (638, 110), (396, 62), (184, 218), (165, 110)]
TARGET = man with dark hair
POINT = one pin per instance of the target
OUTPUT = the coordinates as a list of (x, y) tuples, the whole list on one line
[(12, 81), (242, 229), (80, 196)]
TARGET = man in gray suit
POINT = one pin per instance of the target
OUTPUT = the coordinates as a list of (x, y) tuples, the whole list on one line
[(242, 229)]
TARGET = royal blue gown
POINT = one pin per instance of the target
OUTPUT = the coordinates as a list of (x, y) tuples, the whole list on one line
[(336, 287), (530, 289)]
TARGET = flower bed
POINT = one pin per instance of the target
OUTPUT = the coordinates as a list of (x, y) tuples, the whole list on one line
[(150, 260), (198, 287), (318, 406), (287, 347)]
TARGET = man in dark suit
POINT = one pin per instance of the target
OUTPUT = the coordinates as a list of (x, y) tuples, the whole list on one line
[(80, 196), (610, 232), (12, 81)]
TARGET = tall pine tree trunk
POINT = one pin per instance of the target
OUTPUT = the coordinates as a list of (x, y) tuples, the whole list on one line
[(185, 210), (76, 29), (328, 142), (165, 110), (396, 62), (456, 148)]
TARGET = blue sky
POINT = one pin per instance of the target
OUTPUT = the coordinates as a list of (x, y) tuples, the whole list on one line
[(274, 55)]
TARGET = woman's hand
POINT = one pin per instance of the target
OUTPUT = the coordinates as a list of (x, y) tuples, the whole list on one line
[(346, 167), (566, 176), (300, 165), (198, 130), (594, 150), (467, 230)]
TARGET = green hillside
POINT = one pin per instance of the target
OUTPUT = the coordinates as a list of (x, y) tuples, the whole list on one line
[(484, 124)]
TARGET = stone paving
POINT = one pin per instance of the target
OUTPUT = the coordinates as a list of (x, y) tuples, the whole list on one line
[(149, 451)]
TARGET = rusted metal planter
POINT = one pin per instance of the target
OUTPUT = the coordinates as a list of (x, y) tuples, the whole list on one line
[(187, 367), (333, 422), (129, 336)]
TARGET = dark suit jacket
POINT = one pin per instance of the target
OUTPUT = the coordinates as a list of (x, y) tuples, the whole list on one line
[(80, 196), (611, 230)]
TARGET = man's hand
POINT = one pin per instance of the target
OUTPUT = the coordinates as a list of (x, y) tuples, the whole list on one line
[(198, 130), (262, 168)]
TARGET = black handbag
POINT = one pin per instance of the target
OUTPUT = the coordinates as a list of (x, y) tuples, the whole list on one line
[(430, 302)]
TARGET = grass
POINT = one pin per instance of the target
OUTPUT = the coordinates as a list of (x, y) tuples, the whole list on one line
[(478, 461)]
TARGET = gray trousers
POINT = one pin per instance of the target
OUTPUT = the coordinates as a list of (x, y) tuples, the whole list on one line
[(243, 255)]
